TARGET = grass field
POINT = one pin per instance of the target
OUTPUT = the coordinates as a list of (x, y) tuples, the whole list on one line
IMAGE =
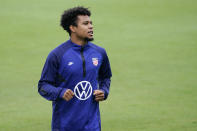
[(152, 46)]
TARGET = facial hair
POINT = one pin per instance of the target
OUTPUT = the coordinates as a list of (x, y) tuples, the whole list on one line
[(89, 39)]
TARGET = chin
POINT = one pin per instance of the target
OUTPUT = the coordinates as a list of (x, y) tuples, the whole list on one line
[(89, 39)]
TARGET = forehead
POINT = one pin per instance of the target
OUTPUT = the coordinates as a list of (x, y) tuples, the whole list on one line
[(82, 18)]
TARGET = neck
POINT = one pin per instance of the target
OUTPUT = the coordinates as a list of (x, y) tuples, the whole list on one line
[(78, 41)]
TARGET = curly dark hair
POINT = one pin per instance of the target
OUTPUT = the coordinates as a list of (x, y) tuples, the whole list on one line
[(69, 17)]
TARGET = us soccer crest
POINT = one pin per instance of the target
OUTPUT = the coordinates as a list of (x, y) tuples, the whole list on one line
[(95, 61)]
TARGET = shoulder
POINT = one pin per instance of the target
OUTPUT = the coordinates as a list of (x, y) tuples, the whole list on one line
[(56, 54), (60, 50), (98, 48)]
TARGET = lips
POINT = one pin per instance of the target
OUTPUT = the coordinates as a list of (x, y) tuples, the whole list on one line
[(90, 33)]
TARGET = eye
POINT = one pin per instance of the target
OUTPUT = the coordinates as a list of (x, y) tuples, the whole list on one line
[(85, 23)]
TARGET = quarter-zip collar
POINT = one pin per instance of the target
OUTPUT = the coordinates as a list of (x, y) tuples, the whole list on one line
[(79, 47)]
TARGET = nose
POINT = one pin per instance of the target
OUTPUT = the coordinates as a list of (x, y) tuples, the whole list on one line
[(90, 26)]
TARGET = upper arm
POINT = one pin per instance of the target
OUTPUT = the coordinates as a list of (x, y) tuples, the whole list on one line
[(105, 69), (49, 72)]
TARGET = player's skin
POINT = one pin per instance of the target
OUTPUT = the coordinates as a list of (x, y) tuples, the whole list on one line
[(99, 95), (68, 95), (79, 35)]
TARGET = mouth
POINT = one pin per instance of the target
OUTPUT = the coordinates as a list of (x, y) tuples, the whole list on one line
[(90, 33)]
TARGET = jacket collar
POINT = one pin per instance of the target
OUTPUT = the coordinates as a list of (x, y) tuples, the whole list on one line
[(78, 47)]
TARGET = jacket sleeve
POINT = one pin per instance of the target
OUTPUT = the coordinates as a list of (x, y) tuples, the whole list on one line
[(105, 75), (47, 83)]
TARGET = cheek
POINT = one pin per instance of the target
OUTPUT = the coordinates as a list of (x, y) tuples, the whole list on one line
[(84, 32), (81, 30)]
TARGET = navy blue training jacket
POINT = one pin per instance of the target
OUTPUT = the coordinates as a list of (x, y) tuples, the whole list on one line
[(82, 69)]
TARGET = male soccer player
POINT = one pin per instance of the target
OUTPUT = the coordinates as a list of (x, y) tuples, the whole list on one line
[(76, 76)]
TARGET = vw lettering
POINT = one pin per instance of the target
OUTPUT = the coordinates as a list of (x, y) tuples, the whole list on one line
[(83, 90)]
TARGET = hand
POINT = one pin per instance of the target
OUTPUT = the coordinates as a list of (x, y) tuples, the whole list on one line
[(99, 95), (68, 95)]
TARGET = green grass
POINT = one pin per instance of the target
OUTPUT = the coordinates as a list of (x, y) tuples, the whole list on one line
[(152, 46)]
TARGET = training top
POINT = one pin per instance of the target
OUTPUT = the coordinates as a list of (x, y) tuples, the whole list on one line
[(82, 69)]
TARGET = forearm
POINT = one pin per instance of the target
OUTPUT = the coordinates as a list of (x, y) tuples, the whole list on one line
[(104, 85), (48, 91)]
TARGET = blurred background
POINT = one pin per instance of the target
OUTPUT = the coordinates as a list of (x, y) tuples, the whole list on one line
[(152, 47)]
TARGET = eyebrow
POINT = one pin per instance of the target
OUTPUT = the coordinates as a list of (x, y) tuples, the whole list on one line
[(87, 21)]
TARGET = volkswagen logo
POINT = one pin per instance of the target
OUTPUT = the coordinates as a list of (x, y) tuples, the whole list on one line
[(83, 90)]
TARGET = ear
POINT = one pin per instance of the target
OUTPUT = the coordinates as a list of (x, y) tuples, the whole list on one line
[(72, 28)]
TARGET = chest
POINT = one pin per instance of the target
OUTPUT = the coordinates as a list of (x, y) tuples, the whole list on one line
[(81, 62)]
